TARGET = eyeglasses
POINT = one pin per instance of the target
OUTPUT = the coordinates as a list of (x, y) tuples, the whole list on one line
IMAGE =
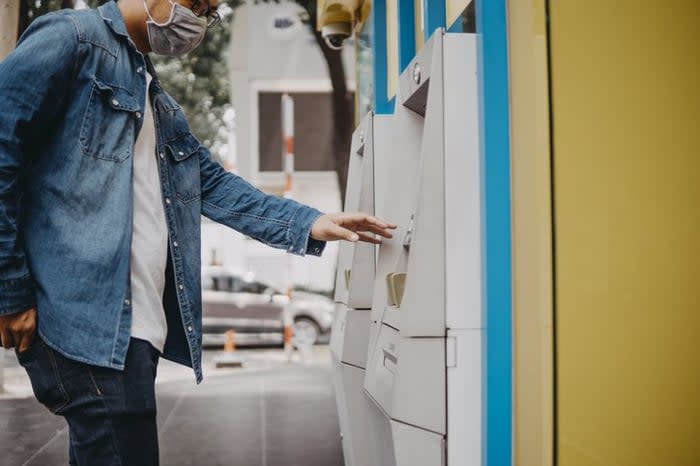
[(199, 8)]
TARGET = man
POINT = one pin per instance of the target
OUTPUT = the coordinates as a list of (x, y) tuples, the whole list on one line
[(101, 190)]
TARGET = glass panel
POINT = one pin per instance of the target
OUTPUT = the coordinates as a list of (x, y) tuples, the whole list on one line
[(365, 75), (250, 287), (420, 18), (461, 20), (223, 283), (392, 47), (313, 124)]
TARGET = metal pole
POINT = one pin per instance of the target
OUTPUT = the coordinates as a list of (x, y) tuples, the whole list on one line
[(288, 166), (9, 21)]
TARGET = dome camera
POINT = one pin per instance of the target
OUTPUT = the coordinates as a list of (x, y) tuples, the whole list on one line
[(335, 34)]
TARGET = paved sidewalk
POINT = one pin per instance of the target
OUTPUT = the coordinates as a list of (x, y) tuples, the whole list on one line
[(268, 414)]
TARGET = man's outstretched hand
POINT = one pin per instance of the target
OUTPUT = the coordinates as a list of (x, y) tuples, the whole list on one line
[(353, 226), (18, 330)]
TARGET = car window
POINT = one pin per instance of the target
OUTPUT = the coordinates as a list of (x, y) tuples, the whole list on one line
[(224, 283), (250, 287), (207, 282)]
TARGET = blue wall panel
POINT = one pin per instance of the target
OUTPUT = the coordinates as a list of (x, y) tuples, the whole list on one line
[(434, 16), (382, 105), (493, 63)]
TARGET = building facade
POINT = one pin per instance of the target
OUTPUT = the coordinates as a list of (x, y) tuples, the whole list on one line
[(588, 216)]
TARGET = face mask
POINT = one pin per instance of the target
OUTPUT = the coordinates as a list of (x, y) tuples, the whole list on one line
[(179, 35)]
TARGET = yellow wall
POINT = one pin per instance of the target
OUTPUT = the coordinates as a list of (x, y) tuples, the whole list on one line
[(418, 6), (626, 144), (532, 239), (454, 8)]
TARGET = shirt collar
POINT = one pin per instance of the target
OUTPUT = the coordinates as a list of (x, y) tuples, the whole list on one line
[(113, 17)]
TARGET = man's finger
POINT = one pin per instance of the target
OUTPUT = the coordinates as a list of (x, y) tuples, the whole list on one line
[(7, 341), (369, 238), (372, 220), (26, 341), (343, 233), (349, 218), (380, 223), (378, 230)]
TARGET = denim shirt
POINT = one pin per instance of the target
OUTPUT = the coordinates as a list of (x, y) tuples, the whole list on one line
[(72, 96)]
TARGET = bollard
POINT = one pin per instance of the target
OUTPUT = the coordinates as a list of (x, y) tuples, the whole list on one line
[(229, 358), (288, 345), (230, 343)]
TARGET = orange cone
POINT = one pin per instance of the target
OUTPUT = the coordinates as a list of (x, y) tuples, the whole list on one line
[(229, 358), (230, 343)]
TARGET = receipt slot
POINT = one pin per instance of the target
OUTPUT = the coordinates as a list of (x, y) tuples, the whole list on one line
[(360, 420), (424, 363)]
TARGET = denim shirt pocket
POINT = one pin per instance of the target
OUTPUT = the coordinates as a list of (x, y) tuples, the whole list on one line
[(185, 168), (109, 125)]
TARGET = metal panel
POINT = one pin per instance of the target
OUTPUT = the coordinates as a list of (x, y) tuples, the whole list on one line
[(415, 446), (355, 413), (464, 397), (406, 378), (350, 336)]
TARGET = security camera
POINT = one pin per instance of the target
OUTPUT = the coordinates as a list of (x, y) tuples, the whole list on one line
[(335, 34)]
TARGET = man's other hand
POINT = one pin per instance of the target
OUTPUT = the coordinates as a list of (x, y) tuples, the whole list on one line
[(353, 226), (18, 330)]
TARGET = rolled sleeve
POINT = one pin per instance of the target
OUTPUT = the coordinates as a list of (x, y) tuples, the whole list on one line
[(17, 295), (301, 242), (278, 222)]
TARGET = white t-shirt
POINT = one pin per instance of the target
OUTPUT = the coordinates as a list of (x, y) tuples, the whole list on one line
[(149, 244)]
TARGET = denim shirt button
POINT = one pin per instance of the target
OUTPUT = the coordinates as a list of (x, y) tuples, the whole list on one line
[(115, 102), (161, 155), (189, 328), (175, 243), (181, 287), (127, 302), (138, 115), (139, 70), (167, 200)]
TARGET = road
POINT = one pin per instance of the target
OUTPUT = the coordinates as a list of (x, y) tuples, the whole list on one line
[(269, 413)]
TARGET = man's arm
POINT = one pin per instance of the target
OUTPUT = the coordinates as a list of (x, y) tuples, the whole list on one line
[(33, 83), (278, 222), (281, 223)]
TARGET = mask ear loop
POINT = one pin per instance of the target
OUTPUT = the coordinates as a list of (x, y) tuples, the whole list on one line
[(172, 12)]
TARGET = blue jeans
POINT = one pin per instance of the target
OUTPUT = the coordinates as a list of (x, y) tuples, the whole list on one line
[(111, 414)]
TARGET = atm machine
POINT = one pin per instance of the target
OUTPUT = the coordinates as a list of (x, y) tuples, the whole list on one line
[(423, 370), (354, 288)]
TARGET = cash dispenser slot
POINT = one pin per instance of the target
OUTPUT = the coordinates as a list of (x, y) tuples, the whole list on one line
[(396, 284)]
